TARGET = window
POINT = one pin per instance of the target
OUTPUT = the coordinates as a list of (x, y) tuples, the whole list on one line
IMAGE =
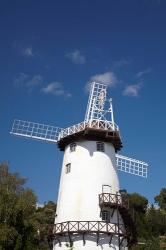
[(73, 147), (105, 215), (100, 146), (106, 189), (68, 168)]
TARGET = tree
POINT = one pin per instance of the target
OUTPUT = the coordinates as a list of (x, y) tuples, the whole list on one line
[(161, 199), (151, 244), (150, 222), (17, 208), (156, 220), (44, 218), (138, 206), (138, 203)]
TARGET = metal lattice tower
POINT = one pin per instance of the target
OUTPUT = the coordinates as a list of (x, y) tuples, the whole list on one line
[(99, 106)]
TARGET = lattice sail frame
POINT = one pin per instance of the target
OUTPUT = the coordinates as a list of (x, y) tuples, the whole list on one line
[(35, 131), (131, 166), (99, 105)]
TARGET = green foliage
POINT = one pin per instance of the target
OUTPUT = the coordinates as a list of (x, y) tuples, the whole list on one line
[(44, 219), (20, 220), (138, 206), (150, 222), (17, 205), (151, 244), (138, 203), (156, 220), (161, 199)]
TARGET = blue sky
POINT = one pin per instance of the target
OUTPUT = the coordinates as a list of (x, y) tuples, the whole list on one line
[(50, 50)]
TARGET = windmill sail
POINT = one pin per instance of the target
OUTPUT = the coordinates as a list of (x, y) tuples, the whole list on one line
[(36, 131), (99, 106), (131, 166)]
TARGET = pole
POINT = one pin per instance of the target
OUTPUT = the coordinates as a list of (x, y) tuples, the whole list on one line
[(118, 220)]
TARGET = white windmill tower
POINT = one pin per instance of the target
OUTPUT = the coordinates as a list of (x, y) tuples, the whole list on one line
[(91, 212)]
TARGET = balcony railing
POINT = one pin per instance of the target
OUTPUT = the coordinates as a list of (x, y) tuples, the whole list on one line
[(113, 200), (88, 226)]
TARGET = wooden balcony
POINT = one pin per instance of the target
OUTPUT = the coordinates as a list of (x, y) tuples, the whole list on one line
[(88, 227), (120, 203), (70, 230), (113, 200)]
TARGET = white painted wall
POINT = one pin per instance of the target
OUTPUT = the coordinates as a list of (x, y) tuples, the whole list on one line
[(79, 190), (90, 243)]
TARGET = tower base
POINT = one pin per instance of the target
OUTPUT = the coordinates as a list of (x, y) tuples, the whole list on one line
[(91, 241)]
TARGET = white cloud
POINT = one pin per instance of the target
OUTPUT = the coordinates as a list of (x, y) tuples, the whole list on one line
[(23, 80), (55, 88), (143, 72), (27, 52), (29, 83), (76, 57), (120, 63), (132, 90), (108, 78)]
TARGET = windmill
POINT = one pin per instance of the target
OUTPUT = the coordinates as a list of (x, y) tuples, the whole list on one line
[(92, 213)]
